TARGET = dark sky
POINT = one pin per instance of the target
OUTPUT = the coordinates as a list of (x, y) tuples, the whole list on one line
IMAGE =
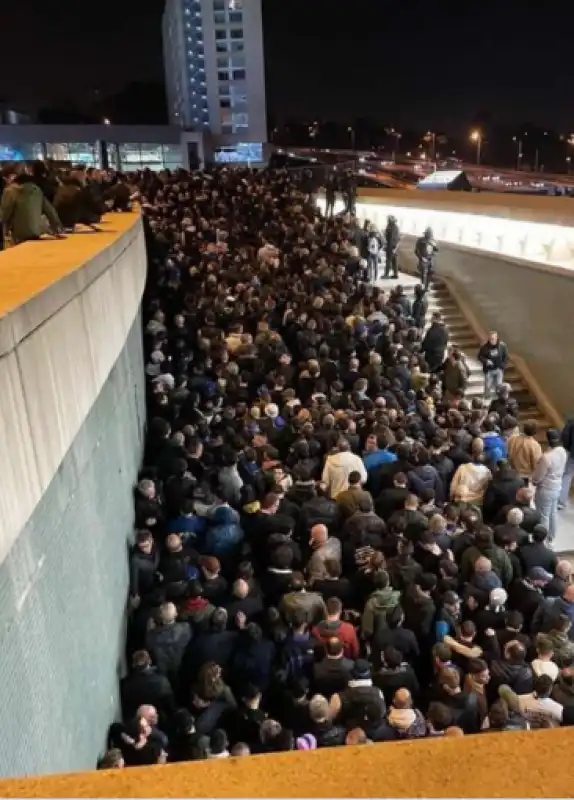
[(404, 62)]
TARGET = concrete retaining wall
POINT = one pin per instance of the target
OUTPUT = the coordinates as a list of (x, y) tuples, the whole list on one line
[(71, 419)]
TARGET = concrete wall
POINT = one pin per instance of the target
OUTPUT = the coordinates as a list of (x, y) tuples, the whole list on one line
[(71, 420)]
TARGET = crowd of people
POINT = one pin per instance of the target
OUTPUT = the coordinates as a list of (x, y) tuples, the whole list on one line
[(38, 200), (333, 545)]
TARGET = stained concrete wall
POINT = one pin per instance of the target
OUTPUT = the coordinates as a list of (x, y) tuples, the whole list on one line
[(71, 421)]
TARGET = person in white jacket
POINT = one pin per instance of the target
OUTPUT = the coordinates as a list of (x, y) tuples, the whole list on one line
[(339, 466)]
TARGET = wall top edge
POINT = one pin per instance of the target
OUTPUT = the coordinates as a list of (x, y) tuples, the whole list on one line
[(529, 208), (38, 278), (421, 768)]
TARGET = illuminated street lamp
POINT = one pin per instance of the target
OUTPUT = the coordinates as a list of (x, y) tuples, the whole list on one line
[(107, 121), (397, 136), (568, 159), (430, 136), (476, 136)]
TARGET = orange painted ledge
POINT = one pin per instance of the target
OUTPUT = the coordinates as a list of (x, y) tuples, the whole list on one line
[(531, 764), (29, 269)]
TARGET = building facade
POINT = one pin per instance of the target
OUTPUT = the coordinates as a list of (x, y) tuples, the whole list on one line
[(215, 75)]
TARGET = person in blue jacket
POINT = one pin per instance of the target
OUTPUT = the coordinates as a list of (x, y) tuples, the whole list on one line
[(448, 617), (224, 534), (495, 445)]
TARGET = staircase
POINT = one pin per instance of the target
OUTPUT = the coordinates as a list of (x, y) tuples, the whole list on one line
[(463, 337)]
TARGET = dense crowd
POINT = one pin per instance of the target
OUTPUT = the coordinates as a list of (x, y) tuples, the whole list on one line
[(333, 545)]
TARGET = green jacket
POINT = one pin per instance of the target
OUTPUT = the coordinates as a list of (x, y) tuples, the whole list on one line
[(378, 606), (21, 212), (501, 564)]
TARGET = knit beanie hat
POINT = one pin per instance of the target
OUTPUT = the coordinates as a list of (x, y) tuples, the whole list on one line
[(306, 742)]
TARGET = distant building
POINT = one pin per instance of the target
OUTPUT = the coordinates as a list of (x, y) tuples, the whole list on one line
[(214, 67), (8, 116)]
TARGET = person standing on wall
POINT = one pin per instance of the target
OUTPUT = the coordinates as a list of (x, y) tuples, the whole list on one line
[(392, 242), (493, 355), (425, 250)]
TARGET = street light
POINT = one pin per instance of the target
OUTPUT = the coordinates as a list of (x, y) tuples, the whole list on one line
[(476, 136), (519, 154), (430, 136), (397, 136), (107, 121)]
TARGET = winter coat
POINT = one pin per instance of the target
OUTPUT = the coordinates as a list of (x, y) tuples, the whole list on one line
[(166, 645), (377, 608), (21, 212), (224, 533), (495, 447), (493, 356), (337, 469), (427, 477), (498, 557)]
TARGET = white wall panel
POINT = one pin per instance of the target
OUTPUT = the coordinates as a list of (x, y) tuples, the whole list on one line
[(56, 354), (19, 481)]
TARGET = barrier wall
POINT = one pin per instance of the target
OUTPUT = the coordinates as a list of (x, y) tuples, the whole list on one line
[(532, 764), (71, 419), (530, 228)]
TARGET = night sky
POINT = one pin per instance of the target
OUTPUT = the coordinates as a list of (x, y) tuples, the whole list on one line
[(403, 62)]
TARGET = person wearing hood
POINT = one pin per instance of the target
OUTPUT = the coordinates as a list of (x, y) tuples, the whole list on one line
[(224, 533), (404, 721), (332, 626), (338, 468), (352, 703), (484, 546), (379, 604), (22, 210), (495, 445), (425, 476)]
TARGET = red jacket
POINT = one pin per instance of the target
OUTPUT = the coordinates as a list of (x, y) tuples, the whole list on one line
[(341, 630)]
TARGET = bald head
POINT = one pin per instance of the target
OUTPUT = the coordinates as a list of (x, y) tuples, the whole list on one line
[(319, 534), (524, 496), (240, 589), (402, 699), (173, 543), (564, 570), (569, 594), (149, 713), (515, 517), (482, 564)]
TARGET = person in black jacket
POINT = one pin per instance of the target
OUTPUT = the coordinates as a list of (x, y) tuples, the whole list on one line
[(493, 355), (425, 250), (144, 685), (392, 242), (435, 342), (396, 673), (536, 553), (511, 670)]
